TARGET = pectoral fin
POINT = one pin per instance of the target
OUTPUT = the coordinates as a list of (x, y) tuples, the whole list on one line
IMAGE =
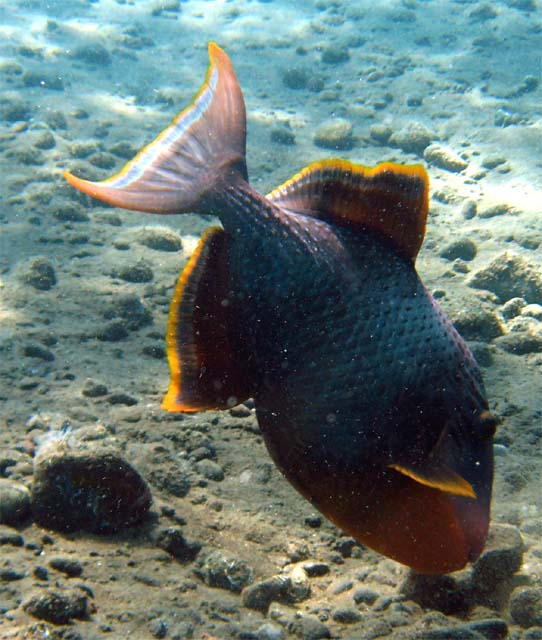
[(438, 477)]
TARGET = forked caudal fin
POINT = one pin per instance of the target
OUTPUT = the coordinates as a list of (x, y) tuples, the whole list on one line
[(204, 144)]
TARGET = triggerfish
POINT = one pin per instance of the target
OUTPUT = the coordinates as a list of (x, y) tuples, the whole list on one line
[(307, 300)]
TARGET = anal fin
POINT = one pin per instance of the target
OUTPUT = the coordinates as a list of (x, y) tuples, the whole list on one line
[(202, 359), (438, 477)]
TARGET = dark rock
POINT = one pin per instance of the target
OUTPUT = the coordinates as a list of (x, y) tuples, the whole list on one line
[(93, 389), (269, 632), (346, 615), (296, 77), (56, 120), (122, 398), (86, 485), (492, 628), (469, 209), (313, 521), (94, 54), (14, 502), (158, 628), (45, 140), (444, 593), (308, 627), (57, 606), (450, 633), (335, 54), (155, 351), (225, 572), (365, 595), (11, 537), (261, 594), (69, 566), (133, 312), (41, 573), (37, 350), (526, 607), (463, 248), (112, 331), (103, 160), (40, 274), (501, 558), (510, 275), (70, 213), (316, 569), (173, 541), (210, 470)]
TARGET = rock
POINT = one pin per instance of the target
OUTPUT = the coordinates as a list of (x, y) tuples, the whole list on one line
[(308, 627), (450, 633), (70, 213), (37, 350), (469, 209), (336, 133), (463, 248), (70, 566), (296, 77), (112, 331), (532, 311), (93, 389), (335, 54), (40, 274), (526, 607), (346, 615), (282, 135), (269, 632), (173, 541), (501, 558), (477, 323), (315, 569), (513, 308), (510, 275), (10, 536), (225, 572), (380, 132), (133, 312), (94, 54), (86, 485), (138, 272), (413, 139), (210, 470), (57, 606), (364, 595), (313, 521), (14, 502), (445, 593), (160, 239), (45, 140), (520, 343), (444, 158), (260, 595), (496, 210)]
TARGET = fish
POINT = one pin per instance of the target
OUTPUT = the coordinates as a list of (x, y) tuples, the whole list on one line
[(307, 300)]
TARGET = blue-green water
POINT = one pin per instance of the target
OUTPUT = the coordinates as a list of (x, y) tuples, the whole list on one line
[(85, 290)]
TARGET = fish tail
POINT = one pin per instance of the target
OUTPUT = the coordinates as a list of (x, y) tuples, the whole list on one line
[(203, 148)]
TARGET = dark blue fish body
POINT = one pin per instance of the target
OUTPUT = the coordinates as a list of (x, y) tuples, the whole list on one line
[(308, 301)]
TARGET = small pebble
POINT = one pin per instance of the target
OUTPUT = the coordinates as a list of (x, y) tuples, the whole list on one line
[(413, 139), (308, 627), (225, 572), (94, 389), (37, 350), (463, 248), (210, 470)]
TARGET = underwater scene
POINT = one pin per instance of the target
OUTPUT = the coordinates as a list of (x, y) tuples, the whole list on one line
[(310, 404)]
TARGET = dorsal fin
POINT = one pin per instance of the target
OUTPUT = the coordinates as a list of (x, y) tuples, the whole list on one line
[(390, 199)]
